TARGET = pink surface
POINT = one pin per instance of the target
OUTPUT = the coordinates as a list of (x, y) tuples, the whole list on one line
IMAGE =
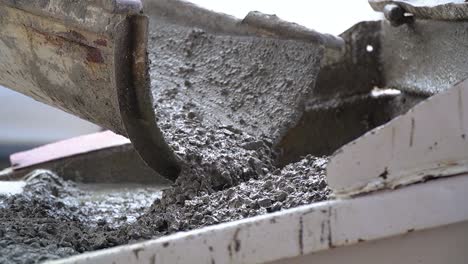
[(67, 148)]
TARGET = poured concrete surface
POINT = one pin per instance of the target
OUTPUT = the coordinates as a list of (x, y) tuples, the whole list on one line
[(51, 218)]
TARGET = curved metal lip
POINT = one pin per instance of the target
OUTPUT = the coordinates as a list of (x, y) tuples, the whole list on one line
[(136, 110), (253, 24), (124, 24)]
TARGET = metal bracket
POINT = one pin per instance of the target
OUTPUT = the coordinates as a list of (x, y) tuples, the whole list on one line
[(427, 9)]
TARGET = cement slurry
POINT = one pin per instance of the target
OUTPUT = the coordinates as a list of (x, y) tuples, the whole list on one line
[(227, 156)]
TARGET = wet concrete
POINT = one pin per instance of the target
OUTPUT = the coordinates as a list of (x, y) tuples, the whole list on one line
[(53, 218), (228, 165), (224, 114), (258, 85)]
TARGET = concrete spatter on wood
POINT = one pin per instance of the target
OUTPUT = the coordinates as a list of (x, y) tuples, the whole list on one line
[(228, 169)]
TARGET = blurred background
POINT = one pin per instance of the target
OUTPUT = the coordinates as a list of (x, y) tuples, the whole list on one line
[(25, 123)]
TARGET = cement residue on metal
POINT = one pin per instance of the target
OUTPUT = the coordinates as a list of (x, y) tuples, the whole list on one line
[(256, 84), (228, 169)]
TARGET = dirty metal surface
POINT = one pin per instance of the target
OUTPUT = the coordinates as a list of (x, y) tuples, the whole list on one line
[(428, 9), (304, 230), (342, 109), (335, 111), (89, 58), (425, 57), (429, 141), (74, 9), (69, 55), (50, 62), (327, 125), (359, 69)]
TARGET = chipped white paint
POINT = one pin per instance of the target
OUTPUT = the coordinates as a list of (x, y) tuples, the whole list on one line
[(446, 244), (431, 140), (309, 229)]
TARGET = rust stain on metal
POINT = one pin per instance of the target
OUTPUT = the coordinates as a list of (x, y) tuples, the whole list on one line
[(94, 55), (74, 36), (49, 38), (101, 42)]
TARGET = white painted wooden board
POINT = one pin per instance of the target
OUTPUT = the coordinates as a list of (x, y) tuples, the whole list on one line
[(320, 227), (442, 245), (431, 140)]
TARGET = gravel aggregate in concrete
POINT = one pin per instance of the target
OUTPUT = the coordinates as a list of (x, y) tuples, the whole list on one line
[(228, 172)]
